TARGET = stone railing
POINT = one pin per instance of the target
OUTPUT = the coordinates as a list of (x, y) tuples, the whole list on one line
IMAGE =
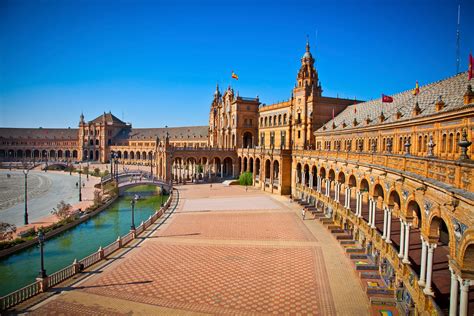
[(262, 151), (388, 251), (451, 172), (41, 285)]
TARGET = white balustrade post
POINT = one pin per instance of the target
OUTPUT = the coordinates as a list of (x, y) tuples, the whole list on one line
[(402, 238), (384, 231), (429, 270), (464, 300), (453, 298), (407, 243), (389, 226), (360, 203), (424, 246)]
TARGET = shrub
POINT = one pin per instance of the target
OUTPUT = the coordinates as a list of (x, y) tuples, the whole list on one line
[(6, 231), (63, 210), (245, 178)]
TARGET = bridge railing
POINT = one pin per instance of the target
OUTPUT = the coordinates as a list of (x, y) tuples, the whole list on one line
[(76, 267)]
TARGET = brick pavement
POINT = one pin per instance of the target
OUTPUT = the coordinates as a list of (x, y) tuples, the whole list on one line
[(242, 262)]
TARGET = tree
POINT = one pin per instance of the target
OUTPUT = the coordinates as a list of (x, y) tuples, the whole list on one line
[(97, 197), (246, 178), (6, 231), (63, 210), (96, 171)]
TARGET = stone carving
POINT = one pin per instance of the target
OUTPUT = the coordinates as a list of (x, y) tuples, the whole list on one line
[(427, 205), (464, 144), (405, 194), (389, 145), (372, 180), (459, 229), (387, 185), (431, 146)]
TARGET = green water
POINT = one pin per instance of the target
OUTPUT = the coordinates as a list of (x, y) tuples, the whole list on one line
[(21, 269)]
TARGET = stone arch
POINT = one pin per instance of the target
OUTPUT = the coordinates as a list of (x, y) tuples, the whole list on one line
[(276, 170), (227, 166), (36, 153), (245, 164), (125, 154), (364, 185), (97, 155), (414, 211), (322, 172), (257, 166), (74, 153), (67, 154), (298, 173), (306, 175), (137, 155), (132, 155), (144, 156), (28, 153), (19, 153), (378, 191), (331, 175), (119, 154), (60, 154), (467, 253), (439, 228), (352, 181), (251, 164), (341, 177), (267, 169), (393, 199)]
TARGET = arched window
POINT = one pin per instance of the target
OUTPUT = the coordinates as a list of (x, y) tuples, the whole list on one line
[(443, 143), (458, 136), (450, 143)]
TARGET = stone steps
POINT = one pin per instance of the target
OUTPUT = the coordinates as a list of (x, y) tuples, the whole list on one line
[(370, 275), (358, 256)]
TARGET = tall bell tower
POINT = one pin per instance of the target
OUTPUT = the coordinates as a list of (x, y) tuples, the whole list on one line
[(306, 91)]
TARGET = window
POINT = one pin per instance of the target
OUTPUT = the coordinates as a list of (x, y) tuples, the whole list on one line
[(283, 139), (299, 134), (272, 139)]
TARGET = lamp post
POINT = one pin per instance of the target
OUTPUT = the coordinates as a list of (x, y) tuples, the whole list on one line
[(42, 273), (135, 198), (25, 172), (161, 195), (80, 191), (88, 170)]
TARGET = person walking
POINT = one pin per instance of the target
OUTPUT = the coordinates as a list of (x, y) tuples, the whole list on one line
[(303, 212)]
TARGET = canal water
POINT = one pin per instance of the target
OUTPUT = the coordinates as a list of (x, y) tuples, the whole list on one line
[(21, 269)]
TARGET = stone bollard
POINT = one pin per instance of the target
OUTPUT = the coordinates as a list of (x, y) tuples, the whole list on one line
[(134, 233), (101, 252), (75, 267), (119, 239), (43, 283)]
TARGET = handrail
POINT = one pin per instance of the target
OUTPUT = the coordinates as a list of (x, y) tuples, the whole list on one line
[(19, 296)]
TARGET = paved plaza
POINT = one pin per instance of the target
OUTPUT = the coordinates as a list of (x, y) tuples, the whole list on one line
[(45, 191), (225, 251)]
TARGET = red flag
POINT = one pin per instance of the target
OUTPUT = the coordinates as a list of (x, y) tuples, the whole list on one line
[(470, 73), (386, 99), (416, 91)]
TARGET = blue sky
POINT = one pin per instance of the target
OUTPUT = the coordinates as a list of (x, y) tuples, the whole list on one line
[(156, 63)]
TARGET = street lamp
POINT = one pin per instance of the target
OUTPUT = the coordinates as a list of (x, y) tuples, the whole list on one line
[(135, 198), (80, 191), (42, 273), (88, 171), (25, 172), (161, 195)]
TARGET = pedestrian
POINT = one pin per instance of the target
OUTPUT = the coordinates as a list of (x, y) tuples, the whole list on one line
[(303, 212), (291, 199), (210, 186), (77, 184)]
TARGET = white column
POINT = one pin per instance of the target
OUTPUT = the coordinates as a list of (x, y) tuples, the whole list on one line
[(222, 170), (310, 180), (303, 182), (407, 243), (389, 226), (424, 245), (384, 232), (370, 211), (357, 203), (208, 169), (402, 238), (453, 298), (233, 170), (319, 184), (464, 300), (346, 198), (374, 206), (360, 204), (429, 270)]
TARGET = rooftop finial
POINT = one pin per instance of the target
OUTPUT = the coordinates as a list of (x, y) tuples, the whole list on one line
[(307, 42)]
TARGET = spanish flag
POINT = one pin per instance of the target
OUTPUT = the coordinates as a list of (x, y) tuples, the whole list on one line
[(234, 75), (416, 91)]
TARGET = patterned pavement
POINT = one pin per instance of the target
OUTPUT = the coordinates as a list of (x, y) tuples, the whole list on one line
[(244, 262)]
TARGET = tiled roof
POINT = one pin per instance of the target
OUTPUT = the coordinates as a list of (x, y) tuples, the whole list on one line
[(175, 133), (109, 118), (40, 133), (451, 91)]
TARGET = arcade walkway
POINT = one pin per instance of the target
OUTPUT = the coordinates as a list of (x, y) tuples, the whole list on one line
[(225, 251)]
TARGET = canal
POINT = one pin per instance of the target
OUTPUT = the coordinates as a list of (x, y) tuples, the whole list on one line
[(21, 269)]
